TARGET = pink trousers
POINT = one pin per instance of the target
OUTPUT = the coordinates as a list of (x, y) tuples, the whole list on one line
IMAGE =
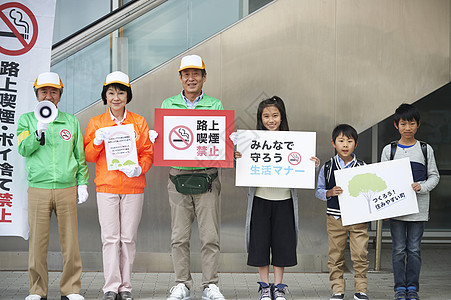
[(119, 216)]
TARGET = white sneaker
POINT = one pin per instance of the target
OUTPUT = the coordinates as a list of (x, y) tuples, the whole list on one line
[(33, 297), (179, 292), (212, 293), (73, 297)]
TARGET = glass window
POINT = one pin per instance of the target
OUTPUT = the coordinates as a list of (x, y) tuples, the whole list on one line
[(208, 17), (155, 37), (143, 44), (440, 206), (257, 4), (71, 16), (171, 28), (83, 75)]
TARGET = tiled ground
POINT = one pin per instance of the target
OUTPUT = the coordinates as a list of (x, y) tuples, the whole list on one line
[(435, 282)]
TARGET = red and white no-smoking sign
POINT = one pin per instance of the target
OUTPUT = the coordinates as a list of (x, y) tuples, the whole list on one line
[(65, 134), (181, 137), (194, 138), (294, 158), (18, 29)]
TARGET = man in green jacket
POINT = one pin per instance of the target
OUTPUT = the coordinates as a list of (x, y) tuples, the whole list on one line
[(57, 175), (204, 206)]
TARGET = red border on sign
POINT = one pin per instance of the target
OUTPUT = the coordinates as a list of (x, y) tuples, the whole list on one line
[(160, 113), (26, 46)]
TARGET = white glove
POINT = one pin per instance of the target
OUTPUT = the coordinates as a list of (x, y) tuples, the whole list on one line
[(101, 135), (82, 191), (152, 135), (41, 128), (234, 137), (131, 171)]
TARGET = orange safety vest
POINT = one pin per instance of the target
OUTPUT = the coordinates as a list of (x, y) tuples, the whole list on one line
[(116, 182)]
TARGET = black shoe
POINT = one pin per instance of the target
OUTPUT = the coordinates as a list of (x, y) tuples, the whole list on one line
[(125, 296), (109, 296), (72, 296), (337, 296), (359, 296)]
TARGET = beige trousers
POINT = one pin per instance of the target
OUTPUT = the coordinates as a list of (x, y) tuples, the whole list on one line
[(41, 203), (184, 208), (358, 244), (119, 217)]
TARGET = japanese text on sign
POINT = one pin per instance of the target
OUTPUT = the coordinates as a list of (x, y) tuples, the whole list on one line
[(387, 199), (194, 138), (276, 159), (9, 71), (120, 148)]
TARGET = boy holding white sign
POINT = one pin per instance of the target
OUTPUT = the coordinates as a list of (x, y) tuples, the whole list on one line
[(344, 140), (407, 231)]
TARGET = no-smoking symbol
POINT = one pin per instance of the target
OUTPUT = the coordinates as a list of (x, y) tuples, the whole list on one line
[(18, 29), (65, 134), (294, 158), (181, 137)]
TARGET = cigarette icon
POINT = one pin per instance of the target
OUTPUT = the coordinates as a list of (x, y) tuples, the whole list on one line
[(10, 34)]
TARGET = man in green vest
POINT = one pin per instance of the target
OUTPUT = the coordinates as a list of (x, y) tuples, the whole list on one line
[(184, 206)]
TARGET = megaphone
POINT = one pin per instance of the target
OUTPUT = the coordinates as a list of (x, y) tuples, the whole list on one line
[(46, 112)]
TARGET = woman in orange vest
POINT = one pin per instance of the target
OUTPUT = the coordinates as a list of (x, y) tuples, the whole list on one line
[(120, 193)]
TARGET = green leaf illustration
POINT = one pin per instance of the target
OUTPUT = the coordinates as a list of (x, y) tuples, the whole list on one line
[(366, 184)]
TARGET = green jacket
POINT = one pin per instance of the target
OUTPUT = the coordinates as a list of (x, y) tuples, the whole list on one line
[(177, 101), (207, 102), (58, 164)]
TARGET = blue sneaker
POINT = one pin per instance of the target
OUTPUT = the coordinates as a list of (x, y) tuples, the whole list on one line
[(265, 290), (400, 294), (412, 294), (279, 291)]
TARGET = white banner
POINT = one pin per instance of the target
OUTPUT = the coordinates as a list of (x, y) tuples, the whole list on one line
[(377, 191), (26, 28), (276, 159)]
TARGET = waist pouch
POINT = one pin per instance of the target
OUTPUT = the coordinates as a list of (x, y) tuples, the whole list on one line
[(193, 184)]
